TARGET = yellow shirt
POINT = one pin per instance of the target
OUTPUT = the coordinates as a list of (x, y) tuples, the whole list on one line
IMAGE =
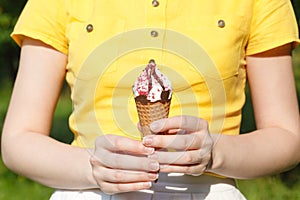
[(200, 45)]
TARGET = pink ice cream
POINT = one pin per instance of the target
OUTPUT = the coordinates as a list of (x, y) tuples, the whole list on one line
[(152, 85)]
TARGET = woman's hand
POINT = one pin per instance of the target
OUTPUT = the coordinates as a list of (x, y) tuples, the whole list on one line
[(121, 165), (191, 140)]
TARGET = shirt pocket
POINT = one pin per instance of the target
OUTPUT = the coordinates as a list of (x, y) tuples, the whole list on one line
[(223, 38), (94, 45)]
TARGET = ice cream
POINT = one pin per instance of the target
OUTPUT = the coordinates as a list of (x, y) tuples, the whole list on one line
[(152, 93)]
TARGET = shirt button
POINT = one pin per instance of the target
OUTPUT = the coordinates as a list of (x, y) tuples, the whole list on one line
[(89, 28), (154, 33), (155, 3), (221, 23)]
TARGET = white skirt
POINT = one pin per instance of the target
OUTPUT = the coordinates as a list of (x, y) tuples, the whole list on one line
[(168, 187)]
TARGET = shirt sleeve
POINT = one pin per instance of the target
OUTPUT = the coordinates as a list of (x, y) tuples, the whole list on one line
[(43, 20), (273, 24)]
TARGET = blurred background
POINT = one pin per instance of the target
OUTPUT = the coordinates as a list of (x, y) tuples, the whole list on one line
[(14, 187)]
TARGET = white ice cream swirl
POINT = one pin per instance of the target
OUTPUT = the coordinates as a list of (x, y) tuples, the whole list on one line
[(152, 83)]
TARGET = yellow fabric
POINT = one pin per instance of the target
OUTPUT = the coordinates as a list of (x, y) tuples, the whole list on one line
[(201, 46)]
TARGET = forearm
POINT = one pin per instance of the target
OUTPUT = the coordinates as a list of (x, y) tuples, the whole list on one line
[(48, 161), (275, 146), (26, 147), (259, 153)]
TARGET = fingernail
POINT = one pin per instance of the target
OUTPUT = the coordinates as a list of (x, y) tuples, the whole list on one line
[(147, 140), (147, 184), (153, 156), (154, 166), (153, 176), (157, 125), (150, 150)]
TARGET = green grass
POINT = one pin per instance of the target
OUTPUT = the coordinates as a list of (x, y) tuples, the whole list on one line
[(15, 187), (269, 188), (5, 92), (60, 129), (296, 63)]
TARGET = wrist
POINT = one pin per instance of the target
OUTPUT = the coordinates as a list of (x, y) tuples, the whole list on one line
[(217, 158), (90, 176), (89, 180)]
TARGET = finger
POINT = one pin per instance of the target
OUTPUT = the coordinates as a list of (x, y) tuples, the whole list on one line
[(181, 158), (122, 144), (123, 161), (194, 170), (122, 176), (113, 188), (139, 127), (174, 131), (113, 181), (179, 142), (188, 123)]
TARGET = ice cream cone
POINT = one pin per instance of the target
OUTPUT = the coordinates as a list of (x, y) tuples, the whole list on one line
[(150, 112), (152, 93)]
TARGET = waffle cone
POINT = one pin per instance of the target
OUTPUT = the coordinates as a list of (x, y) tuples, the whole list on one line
[(151, 111)]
